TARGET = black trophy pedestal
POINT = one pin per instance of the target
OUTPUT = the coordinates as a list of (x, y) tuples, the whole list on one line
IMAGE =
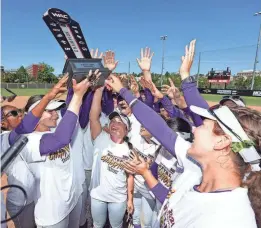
[(78, 69)]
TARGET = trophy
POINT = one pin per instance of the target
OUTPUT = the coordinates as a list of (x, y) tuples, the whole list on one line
[(69, 35)]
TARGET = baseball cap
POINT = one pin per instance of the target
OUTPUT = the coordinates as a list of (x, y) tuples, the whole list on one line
[(230, 125), (53, 105), (123, 118), (236, 99)]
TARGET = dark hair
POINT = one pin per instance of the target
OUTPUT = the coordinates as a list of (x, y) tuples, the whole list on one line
[(127, 140), (32, 100), (179, 124), (250, 120)]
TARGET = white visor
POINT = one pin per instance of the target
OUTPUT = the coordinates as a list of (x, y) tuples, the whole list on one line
[(51, 106), (228, 118)]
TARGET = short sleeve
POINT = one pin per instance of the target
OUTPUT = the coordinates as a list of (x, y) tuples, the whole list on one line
[(31, 152)]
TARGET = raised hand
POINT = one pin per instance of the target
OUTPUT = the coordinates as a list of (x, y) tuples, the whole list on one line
[(114, 83), (60, 87), (93, 78), (172, 91), (153, 89), (187, 60), (95, 54), (134, 86), (109, 60), (145, 59)]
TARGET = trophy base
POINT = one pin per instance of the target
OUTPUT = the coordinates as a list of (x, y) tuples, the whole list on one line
[(78, 69)]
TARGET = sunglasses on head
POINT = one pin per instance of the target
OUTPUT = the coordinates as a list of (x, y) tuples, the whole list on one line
[(211, 111), (13, 113), (9, 98)]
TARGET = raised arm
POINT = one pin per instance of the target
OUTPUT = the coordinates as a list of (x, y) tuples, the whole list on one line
[(95, 123), (191, 93), (107, 102), (85, 109), (30, 120), (145, 62), (63, 134), (154, 124)]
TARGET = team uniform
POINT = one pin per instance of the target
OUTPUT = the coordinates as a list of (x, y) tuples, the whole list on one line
[(19, 173), (144, 200), (109, 181), (186, 207)]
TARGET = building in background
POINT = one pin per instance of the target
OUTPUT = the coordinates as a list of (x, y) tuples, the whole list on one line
[(32, 70), (248, 73)]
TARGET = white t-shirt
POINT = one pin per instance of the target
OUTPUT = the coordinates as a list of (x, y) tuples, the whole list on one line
[(18, 173), (88, 144), (146, 151), (166, 168), (134, 134), (59, 188), (192, 209), (113, 179)]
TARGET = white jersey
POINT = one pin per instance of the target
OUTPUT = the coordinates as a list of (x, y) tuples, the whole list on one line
[(146, 151), (88, 143), (134, 133), (59, 188), (18, 173), (189, 208), (113, 179)]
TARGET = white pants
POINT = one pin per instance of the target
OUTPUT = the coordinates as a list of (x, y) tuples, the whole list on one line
[(25, 219), (72, 220), (83, 217)]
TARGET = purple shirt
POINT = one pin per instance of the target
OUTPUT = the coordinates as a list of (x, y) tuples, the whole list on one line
[(85, 107), (27, 125), (193, 97), (157, 127), (62, 136)]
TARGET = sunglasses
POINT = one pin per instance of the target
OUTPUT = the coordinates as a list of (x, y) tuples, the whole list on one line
[(211, 111), (9, 98), (13, 113)]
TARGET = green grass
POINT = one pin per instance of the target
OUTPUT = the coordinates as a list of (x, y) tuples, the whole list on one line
[(25, 92), (256, 101), (250, 101)]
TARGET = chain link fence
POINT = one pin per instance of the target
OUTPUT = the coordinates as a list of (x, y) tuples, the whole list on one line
[(26, 85)]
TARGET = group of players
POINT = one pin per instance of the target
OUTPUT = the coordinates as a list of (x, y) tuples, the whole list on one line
[(129, 157)]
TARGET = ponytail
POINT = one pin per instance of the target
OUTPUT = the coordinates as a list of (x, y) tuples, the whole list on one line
[(127, 140)]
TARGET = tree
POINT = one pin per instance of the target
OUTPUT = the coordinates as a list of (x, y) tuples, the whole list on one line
[(45, 73), (9, 78), (203, 82), (22, 75)]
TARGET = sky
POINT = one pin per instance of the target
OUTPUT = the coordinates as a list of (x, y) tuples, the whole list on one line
[(226, 26)]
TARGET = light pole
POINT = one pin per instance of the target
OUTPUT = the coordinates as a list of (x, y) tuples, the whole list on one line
[(198, 68), (256, 58), (163, 38)]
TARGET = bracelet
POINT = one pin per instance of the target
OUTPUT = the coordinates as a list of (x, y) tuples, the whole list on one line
[(133, 102)]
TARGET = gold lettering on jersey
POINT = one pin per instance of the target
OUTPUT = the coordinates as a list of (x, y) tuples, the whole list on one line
[(113, 161), (63, 154), (165, 175)]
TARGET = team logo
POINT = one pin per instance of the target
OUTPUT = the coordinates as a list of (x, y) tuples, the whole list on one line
[(59, 16), (257, 93), (207, 91)]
